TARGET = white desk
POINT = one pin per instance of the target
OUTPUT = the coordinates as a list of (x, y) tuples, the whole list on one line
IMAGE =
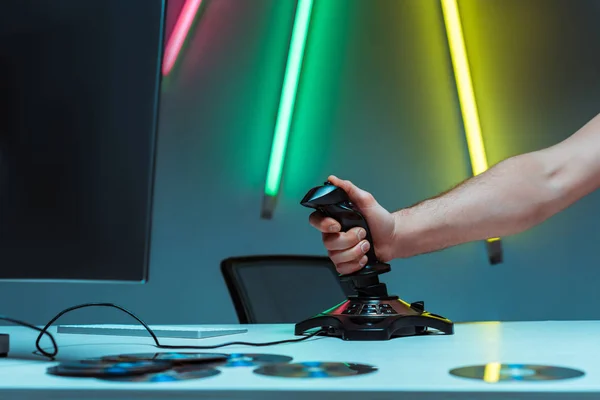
[(409, 368)]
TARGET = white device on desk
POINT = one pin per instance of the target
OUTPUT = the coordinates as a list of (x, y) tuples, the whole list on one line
[(140, 331)]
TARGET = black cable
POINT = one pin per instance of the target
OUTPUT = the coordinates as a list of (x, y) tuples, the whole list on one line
[(44, 331), (28, 325)]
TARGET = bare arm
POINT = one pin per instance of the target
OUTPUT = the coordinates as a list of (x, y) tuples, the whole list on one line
[(512, 196)]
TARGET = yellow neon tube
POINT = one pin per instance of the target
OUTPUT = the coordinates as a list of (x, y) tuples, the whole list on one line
[(466, 94), (462, 74)]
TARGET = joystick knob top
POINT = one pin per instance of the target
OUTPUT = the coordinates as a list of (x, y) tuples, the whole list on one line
[(324, 196)]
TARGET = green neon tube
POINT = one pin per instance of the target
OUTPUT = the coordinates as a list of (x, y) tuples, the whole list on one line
[(288, 96)]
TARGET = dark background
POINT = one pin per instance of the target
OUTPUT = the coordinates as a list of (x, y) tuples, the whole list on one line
[(376, 104)]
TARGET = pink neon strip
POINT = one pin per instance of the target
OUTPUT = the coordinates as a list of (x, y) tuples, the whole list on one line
[(180, 31)]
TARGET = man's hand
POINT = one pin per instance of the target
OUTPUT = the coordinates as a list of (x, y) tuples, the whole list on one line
[(347, 249)]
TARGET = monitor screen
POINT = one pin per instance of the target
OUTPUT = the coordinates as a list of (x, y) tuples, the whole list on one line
[(79, 86)]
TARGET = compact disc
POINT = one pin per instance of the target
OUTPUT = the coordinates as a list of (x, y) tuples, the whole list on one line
[(178, 373), (102, 368), (253, 360), (174, 357), (315, 370), (496, 372)]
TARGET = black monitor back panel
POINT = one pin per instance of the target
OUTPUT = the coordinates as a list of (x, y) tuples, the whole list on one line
[(79, 85)]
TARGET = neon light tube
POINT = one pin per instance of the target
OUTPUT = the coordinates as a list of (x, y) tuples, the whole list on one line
[(180, 32), (288, 96), (466, 95)]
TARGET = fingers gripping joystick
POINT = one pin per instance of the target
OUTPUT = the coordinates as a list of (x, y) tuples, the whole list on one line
[(371, 314), (334, 202)]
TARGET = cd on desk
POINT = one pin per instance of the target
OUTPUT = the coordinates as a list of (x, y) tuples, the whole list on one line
[(254, 360), (176, 358), (315, 370), (175, 374), (103, 368), (497, 372)]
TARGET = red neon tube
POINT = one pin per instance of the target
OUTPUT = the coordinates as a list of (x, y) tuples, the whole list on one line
[(180, 32)]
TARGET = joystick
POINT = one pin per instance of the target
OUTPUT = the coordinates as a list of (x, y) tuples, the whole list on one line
[(371, 313)]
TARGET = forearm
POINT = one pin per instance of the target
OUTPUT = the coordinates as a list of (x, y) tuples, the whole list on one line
[(510, 197)]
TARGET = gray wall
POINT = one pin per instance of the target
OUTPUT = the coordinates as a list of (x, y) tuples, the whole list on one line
[(377, 104)]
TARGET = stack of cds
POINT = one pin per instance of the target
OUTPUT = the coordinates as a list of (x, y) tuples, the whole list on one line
[(169, 367)]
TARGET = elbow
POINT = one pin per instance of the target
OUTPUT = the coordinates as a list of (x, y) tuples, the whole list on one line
[(541, 191), (554, 186)]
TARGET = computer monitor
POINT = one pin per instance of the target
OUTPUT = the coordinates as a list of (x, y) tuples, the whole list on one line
[(79, 90)]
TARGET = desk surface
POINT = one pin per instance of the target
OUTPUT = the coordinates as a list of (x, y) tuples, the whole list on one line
[(413, 366)]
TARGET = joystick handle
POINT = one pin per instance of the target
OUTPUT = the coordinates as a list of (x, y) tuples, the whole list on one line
[(333, 202)]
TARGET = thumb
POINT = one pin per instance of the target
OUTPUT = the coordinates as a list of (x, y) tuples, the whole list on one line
[(361, 198)]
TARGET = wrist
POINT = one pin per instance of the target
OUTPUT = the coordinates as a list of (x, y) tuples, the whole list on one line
[(406, 233), (418, 231)]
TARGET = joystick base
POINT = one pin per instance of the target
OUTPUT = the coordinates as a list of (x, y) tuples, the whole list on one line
[(376, 318)]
